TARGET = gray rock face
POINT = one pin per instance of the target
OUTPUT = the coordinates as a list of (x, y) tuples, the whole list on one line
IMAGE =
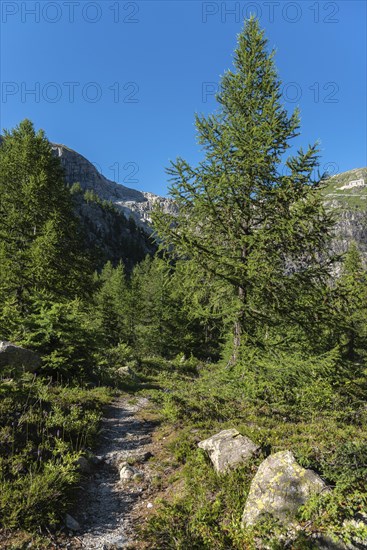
[(228, 449), (18, 358), (279, 488), (132, 203), (346, 194)]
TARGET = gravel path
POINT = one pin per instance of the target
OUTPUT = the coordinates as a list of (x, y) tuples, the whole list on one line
[(104, 510)]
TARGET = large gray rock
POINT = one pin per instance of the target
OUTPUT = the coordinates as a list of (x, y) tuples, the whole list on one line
[(228, 449), (18, 358), (279, 488)]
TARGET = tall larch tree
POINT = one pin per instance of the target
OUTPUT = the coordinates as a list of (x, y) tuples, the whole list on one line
[(247, 215), (40, 245)]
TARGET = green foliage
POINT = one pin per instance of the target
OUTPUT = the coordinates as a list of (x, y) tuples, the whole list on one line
[(91, 196), (246, 250), (351, 303), (43, 430), (44, 273), (63, 335), (299, 403), (76, 189), (256, 231), (158, 327), (111, 305), (39, 235), (110, 360)]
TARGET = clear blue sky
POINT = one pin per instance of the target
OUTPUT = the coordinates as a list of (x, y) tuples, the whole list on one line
[(120, 81)]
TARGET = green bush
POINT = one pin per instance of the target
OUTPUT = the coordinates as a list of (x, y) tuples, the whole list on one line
[(44, 428)]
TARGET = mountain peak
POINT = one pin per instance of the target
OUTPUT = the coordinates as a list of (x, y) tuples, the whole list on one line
[(133, 203)]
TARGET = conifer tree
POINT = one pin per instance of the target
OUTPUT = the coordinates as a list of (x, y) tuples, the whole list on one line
[(40, 246), (351, 290), (112, 305), (151, 309), (243, 218)]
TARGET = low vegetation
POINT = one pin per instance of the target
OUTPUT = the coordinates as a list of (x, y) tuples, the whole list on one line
[(44, 428), (322, 421)]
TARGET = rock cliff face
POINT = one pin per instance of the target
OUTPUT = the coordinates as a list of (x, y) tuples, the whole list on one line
[(132, 203), (347, 194)]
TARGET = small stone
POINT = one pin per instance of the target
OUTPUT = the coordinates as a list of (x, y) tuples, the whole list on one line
[(149, 505), (84, 465), (97, 460), (71, 523), (127, 472)]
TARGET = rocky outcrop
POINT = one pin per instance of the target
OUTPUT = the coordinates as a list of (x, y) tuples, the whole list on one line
[(346, 194), (109, 235), (18, 359), (130, 202), (228, 449), (279, 488)]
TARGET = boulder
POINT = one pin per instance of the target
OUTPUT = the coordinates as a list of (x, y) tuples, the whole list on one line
[(279, 488), (18, 358), (126, 373), (228, 449), (84, 466)]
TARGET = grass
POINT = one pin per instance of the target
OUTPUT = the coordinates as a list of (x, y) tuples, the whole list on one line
[(196, 508), (44, 429), (314, 407), (354, 198)]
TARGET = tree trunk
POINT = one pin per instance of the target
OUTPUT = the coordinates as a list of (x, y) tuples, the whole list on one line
[(237, 330), (351, 345)]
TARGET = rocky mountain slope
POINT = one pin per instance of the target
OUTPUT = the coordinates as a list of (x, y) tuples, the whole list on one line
[(117, 218), (132, 203), (347, 194)]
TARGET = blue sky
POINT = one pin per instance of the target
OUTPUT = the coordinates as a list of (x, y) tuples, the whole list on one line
[(119, 81)]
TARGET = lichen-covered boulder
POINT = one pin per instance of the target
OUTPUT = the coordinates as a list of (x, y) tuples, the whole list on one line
[(279, 488), (228, 449), (16, 358)]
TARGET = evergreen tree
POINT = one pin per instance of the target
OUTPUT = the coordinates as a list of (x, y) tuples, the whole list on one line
[(40, 248), (151, 307), (160, 322), (351, 290), (112, 302), (241, 219)]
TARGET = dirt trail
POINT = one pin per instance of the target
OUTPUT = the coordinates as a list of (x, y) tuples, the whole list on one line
[(106, 503)]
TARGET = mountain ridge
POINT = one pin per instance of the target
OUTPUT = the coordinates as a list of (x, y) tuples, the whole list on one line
[(133, 203), (347, 198)]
